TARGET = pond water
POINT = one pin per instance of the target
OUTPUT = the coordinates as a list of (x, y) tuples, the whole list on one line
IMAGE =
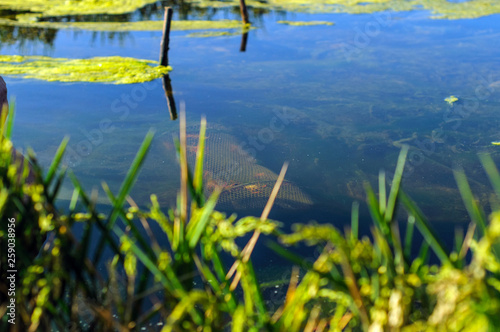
[(337, 102)]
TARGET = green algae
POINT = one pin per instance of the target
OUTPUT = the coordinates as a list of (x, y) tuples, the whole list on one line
[(303, 23), (205, 34), (114, 69), (74, 7), (440, 9), (451, 99), (125, 26)]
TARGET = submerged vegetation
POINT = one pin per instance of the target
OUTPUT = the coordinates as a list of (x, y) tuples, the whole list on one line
[(183, 268), (113, 69)]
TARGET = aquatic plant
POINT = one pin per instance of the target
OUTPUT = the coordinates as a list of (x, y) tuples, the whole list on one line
[(72, 7), (451, 99), (440, 9), (182, 282), (113, 69), (304, 23), (177, 25)]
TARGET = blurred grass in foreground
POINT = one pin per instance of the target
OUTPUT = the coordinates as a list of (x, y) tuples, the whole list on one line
[(184, 285)]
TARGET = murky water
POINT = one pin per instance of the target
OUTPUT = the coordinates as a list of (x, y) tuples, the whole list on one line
[(336, 101)]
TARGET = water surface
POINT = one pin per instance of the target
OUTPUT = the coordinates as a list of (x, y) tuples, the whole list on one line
[(346, 96)]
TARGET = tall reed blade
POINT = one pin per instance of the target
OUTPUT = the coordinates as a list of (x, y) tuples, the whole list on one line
[(127, 184), (475, 211), (198, 170), (56, 161), (396, 182), (428, 233), (10, 119), (492, 171), (382, 198), (197, 226), (354, 221)]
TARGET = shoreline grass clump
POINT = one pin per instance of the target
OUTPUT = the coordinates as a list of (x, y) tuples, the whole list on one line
[(115, 274)]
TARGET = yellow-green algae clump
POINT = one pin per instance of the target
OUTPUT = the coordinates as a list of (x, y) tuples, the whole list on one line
[(49, 8), (308, 23), (113, 69), (438, 8), (24, 21)]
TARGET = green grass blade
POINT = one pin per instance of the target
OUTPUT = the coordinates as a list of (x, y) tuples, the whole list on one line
[(3, 121), (424, 228), (396, 182), (354, 221), (221, 273), (130, 178), (190, 178), (475, 212), (74, 200), (198, 170), (10, 119), (373, 207), (382, 198), (134, 229), (60, 178), (56, 161), (175, 286), (239, 319), (492, 171), (88, 204), (196, 227)]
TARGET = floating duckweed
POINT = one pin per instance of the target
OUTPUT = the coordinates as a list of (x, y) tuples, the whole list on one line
[(302, 23), (126, 26), (114, 69), (451, 99)]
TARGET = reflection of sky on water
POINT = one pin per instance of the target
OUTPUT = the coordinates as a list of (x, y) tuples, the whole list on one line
[(350, 116)]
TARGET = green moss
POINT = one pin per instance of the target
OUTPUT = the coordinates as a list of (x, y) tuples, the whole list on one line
[(302, 23), (117, 70)]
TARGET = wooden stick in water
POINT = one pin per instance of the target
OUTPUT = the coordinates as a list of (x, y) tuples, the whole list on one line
[(166, 36), (244, 40), (244, 12), (169, 94)]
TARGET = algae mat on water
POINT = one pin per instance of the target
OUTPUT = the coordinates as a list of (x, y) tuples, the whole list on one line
[(438, 8), (74, 7), (308, 23), (114, 69), (25, 21)]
